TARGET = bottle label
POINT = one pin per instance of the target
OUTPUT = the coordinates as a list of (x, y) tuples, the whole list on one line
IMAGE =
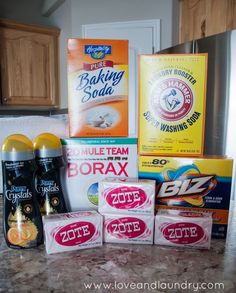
[(48, 186), (22, 220)]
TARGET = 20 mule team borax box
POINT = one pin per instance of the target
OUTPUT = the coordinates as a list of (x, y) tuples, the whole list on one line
[(92, 159), (172, 91), (195, 184), (98, 87)]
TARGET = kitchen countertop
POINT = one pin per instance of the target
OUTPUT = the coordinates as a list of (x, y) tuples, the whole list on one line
[(143, 268)]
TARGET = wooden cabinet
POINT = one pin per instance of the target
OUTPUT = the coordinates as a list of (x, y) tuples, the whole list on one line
[(28, 65), (202, 18)]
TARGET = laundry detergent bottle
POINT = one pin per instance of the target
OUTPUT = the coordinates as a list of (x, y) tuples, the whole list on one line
[(22, 219), (49, 160)]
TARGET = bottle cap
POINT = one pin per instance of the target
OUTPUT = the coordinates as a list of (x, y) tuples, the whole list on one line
[(47, 145), (17, 147)]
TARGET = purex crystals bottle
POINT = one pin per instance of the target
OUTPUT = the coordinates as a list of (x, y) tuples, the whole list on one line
[(22, 219), (49, 160)]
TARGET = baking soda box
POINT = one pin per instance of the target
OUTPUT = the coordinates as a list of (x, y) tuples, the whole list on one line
[(90, 160), (195, 184), (172, 90), (98, 87)]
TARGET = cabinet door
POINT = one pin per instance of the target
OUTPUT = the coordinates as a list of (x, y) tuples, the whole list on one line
[(28, 68)]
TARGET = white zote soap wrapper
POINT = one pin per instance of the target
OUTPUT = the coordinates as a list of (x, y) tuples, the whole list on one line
[(126, 196), (183, 228), (72, 231), (135, 229)]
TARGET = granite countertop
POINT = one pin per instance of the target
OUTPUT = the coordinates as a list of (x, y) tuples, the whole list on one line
[(143, 268)]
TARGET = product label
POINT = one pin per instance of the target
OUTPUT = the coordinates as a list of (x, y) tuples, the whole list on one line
[(91, 160), (76, 233), (98, 87), (127, 227), (22, 222), (172, 104)]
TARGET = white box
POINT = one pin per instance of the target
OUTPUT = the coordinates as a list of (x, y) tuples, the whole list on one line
[(126, 196), (183, 228), (92, 159), (72, 231), (137, 229)]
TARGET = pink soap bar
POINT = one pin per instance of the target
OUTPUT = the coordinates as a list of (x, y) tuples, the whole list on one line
[(126, 196), (137, 229), (72, 231), (181, 228)]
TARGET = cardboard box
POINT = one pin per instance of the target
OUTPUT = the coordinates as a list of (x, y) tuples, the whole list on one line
[(126, 196), (90, 160), (135, 229), (179, 228), (193, 184), (172, 90), (98, 87), (72, 231)]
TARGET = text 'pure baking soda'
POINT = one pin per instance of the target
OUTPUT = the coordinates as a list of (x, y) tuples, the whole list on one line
[(22, 219), (98, 87), (172, 91)]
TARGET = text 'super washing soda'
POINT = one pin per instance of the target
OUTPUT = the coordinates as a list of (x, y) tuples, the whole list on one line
[(172, 91), (195, 184), (49, 160), (22, 219), (98, 87)]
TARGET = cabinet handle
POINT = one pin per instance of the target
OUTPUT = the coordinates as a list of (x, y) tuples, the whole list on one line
[(5, 99)]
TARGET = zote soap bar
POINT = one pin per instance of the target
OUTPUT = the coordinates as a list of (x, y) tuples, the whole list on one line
[(126, 196), (137, 229), (172, 98), (182, 228), (72, 231)]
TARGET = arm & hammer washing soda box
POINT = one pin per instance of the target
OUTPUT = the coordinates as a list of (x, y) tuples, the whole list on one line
[(192, 184), (98, 87), (72, 231), (126, 196), (172, 90), (181, 228), (132, 229), (90, 160)]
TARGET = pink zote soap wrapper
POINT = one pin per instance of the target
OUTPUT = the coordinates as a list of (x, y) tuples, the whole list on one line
[(132, 229), (183, 229), (72, 231)]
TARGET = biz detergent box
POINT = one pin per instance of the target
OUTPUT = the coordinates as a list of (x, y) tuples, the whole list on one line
[(90, 160), (192, 184), (172, 98), (98, 87)]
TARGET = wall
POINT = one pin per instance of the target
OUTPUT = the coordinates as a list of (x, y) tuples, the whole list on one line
[(92, 11), (27, 11), (70, 16)]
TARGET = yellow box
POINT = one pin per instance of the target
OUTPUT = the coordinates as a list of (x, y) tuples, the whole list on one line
[(98, 87), (172, 90), (200, 184)]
